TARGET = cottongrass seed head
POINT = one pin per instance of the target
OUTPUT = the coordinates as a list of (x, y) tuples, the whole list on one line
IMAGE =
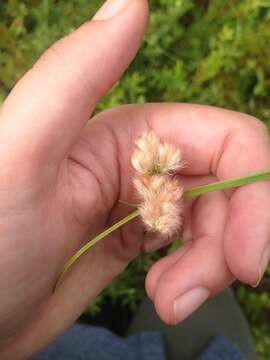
[(153, 157), (147, 185), (161, 194), (162, 207)]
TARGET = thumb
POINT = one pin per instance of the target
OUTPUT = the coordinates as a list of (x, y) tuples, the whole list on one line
[(47, 109)]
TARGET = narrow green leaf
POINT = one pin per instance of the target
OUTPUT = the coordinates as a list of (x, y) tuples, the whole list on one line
[(197, 191)]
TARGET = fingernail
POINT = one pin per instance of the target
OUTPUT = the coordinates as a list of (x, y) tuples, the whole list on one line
[(110, 8), (155, 243), (263, 265), (186, 304)]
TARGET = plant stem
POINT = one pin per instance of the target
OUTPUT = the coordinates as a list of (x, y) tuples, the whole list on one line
[(228, 184), (92, 242), (197, 191)]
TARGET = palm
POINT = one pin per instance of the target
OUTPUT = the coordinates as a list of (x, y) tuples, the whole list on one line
[(61, 202)]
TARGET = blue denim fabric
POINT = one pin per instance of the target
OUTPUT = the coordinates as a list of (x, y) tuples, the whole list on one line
[(220, 348), (82, 342)]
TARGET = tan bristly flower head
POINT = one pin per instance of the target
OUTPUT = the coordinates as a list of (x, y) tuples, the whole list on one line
[(145, 155), (169, 159), (153, 157), (162, 208), (161, 195), (145, 184)]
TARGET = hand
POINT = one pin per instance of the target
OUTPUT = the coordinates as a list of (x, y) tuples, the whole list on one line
[(59, 184), (62, 176)]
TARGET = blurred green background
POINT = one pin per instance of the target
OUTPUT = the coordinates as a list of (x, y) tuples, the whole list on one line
[(212, 52)]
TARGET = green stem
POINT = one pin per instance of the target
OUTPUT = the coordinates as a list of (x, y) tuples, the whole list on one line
[(92, 242), (197, 191), (228, 184)]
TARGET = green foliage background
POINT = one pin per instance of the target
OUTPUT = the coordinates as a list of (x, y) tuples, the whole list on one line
[(211, 52)]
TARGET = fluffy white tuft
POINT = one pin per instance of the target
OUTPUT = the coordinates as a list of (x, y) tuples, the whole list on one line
[(161, 194), (162, 207), (152, 157)]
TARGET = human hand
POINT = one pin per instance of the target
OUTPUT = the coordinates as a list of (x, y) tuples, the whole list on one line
[(62, 176), (58, 183)]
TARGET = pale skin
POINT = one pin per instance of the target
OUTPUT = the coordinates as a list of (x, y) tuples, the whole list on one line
[(61, 176)]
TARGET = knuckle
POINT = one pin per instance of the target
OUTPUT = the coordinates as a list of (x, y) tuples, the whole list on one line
[(165, 310), (259, 125), (252, 123), (243, 269), (245, 274), (54, 55)]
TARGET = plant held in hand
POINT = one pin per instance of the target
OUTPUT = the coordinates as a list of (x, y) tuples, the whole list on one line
[(161, 196), (160, 192)]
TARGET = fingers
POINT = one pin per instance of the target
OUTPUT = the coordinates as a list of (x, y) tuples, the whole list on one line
[(183, 281), (247, 237), (247, 234), (47, 109), (162, 266), (226, 144)]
